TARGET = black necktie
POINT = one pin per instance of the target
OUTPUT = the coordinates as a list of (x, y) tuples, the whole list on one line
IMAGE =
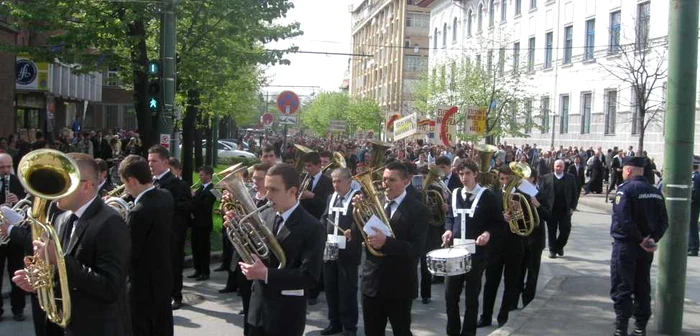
[(387, 210), (311, 184), (69, 229), (278, 223), (338, 202)]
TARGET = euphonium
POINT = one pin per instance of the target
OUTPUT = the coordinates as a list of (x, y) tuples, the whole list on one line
[(434, 199), (368, 207), (485, 153), (48, 175), (376, 164), (23, 207), (120, 205), (247, 230), (523, 219)]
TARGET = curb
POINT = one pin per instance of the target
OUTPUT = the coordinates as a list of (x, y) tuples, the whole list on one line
[(551, 289)]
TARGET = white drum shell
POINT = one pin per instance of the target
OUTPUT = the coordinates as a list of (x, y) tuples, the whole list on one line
[(449, 261)]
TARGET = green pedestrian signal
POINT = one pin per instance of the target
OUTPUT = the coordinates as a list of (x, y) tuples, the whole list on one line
[(153, 68), (153, 104)]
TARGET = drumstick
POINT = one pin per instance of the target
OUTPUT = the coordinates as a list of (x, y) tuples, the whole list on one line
[(336, 226)]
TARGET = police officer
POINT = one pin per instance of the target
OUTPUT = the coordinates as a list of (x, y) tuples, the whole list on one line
[(639, 220), (693, 241)]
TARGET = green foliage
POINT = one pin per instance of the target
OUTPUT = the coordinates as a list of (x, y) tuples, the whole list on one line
[(227, 162), (360, 113)]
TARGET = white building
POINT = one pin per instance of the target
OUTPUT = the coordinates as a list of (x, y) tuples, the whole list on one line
[(572, 50)]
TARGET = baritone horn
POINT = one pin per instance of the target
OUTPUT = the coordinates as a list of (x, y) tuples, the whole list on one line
[(434, 199), (523, 218), (48, 175), (247, 230), (485, 152), (367, 208)]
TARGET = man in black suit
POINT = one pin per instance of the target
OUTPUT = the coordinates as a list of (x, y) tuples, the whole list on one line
[(561, 188), (151, 267), (10, 193), (202, 213), (340, 275), (278, 304), (390, 282), (164, 179), (451, 180), (97, 250), (534, 244), (477, 225), (104, 183), (579, 172)]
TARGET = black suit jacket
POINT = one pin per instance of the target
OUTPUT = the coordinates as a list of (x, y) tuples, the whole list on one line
[(411, 191), (151, 266), (454, 182), (106, 188), (394, 276), (579, 174), (352, 252), (97, 263), (316, 205), (15, 188), (302, 238), (570, 190), (181, 196), (203, 208)]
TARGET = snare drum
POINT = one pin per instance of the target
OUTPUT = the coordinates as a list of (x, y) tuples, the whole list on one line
[(330, 252), (449, 261)]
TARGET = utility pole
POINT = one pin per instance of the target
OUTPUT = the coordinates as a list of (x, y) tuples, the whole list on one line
[(167, 56), (678, 149)]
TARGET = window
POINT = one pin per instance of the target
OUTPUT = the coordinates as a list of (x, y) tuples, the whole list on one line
[(568, 43), (492, 13), (417, 20), (518, 7), (504, 12), (548, 40), (610, 111), (544, 114), (533, 4), (564, 121), (614, 43), (642, 28), (469, 23), (528, 116), (586, 104), (590, 39), (415, 63), (444, 34), (635, 110), (454, 30), (516, 56), (531, 54), (453, 75), (489, 62), (112, 78), (435, 38), (478, 61), (501, 60), (480, 18)]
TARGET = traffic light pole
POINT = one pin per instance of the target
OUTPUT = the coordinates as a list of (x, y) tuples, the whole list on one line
[(167, 52), (678, 149)]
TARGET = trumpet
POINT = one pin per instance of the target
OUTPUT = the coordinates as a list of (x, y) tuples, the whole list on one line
[(338, 161), (524, 219)]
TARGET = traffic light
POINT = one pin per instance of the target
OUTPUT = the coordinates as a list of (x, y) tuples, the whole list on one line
[(154, 68), (154, 72)]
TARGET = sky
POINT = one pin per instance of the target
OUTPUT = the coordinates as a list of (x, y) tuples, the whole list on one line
[(326, 27)]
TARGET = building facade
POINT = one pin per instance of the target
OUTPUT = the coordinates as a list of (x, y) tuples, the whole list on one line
[(579, 57), (390, 43)]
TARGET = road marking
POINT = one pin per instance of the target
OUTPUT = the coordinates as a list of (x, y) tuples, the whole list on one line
[(681, 186), (676, 198)]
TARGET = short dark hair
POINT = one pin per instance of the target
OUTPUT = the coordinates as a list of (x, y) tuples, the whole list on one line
[(160, 150), (411, 168), (423, 170), (311, 157), (137, 167), (87, 166), (442, 160), (206, 169), (175, 163), (325, 154), (261, 167), (102, 165), (397, 166), (505, 170), (287, 172), (268, 149), (468, 164)]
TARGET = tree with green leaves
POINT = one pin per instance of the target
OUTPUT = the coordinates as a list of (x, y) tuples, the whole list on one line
[(358, 113)]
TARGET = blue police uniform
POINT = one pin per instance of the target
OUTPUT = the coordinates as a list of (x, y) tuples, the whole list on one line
[(639, 211), (693, 241)]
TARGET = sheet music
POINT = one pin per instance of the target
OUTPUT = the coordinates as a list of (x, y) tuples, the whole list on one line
[(375, 222), (528, 188), (13, 217)]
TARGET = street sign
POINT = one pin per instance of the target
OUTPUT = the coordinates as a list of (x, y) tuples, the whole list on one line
[(337, 126), (288, 102), (165, 140), (267, 119), (288, 119)]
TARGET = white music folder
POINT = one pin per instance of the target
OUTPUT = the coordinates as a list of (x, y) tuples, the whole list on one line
[(375, 222)]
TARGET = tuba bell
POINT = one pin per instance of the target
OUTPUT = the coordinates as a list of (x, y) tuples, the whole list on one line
[(524, 218), (434, 199), (247, 230), (48, 175), (484, 153)]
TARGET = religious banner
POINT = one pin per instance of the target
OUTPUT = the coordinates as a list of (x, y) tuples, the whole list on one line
[(475, 121)]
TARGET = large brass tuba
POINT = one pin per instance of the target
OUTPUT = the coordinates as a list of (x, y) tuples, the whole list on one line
[(433, 198), (523, 218), (484, 153), (48, 175), (247, 230)]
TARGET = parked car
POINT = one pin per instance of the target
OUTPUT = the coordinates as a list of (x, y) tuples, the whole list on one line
[(245, 146), (227, 150)]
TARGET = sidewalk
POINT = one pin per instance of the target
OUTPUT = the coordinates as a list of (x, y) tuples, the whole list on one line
[(596, 201)]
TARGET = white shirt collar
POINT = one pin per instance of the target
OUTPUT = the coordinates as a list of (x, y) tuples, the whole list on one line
[(205, 185), (136, 200), (285, 215), (477, 187), (101, 184), (559, 177), (158, 177), (317, 177), (398, 200), (79, 213)]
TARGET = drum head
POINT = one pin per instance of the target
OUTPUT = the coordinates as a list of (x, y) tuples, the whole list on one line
[(448, 253)]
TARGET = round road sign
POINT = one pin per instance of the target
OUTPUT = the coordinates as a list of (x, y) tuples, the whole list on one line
[(288, 102), (267, 119)]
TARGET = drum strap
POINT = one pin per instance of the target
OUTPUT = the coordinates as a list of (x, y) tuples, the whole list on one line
[(341, 210), (462, 213)]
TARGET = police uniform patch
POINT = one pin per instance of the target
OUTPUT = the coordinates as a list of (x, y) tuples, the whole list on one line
[(617, 199)]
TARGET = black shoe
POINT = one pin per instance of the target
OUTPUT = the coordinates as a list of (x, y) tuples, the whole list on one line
[(620, 332), (425, 300), (313, 302), (19, 317), (194, 275), (331, 330), (175, 305), (483, 323), (552, 255), (203, 277), (242, 312), (221, 269), (560, 252), (638, 332), (692, 253), (227, 290)]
